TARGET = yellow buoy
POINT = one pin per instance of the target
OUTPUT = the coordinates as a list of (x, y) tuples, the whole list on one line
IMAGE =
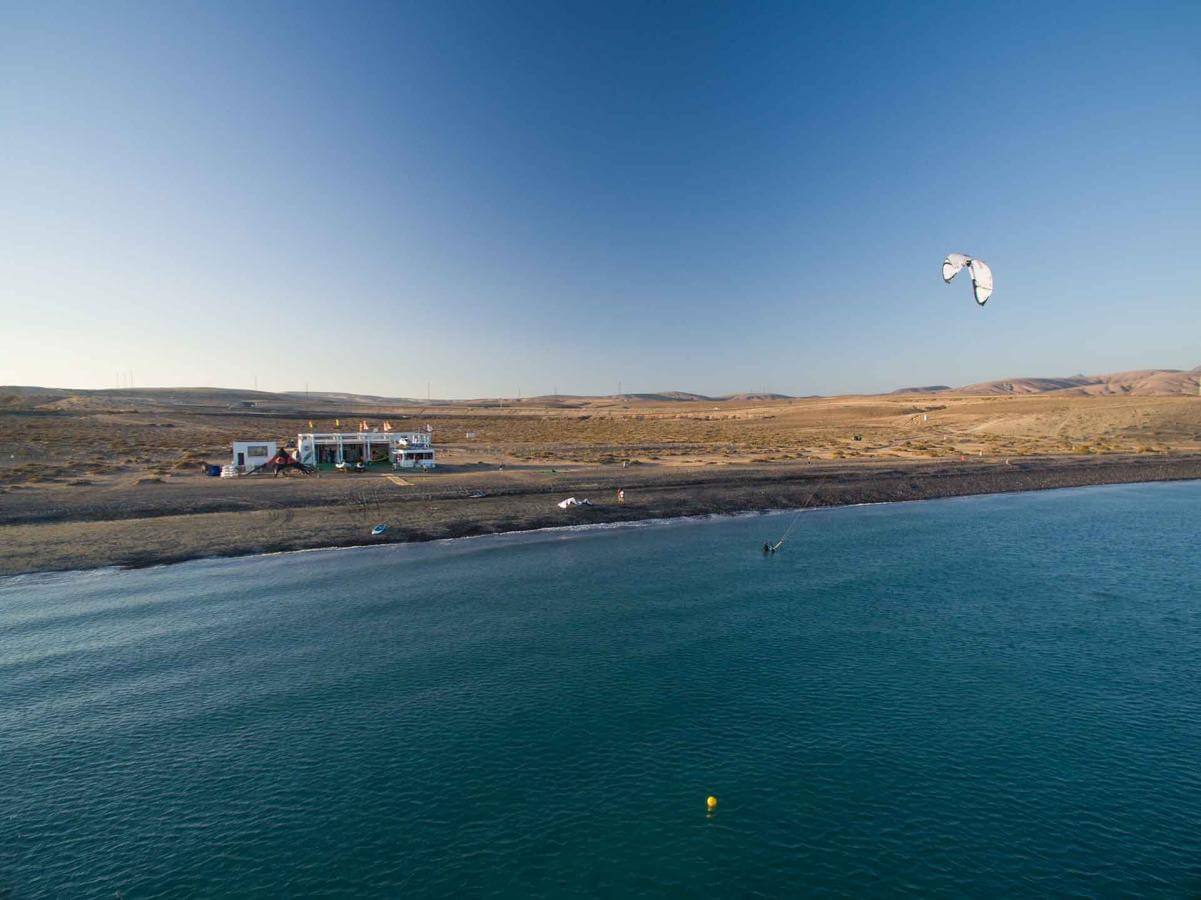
[(711, 803)]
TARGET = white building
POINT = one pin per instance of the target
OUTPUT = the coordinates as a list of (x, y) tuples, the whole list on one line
[(251, 454), (400, 449)]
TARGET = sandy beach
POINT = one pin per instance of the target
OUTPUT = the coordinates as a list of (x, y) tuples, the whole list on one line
[(104, 478), (81, 527)]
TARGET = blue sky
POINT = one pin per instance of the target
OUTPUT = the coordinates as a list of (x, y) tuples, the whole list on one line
[(505, 197)]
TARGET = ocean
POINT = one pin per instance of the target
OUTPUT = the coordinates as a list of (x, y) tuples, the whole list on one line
[(956, 698)]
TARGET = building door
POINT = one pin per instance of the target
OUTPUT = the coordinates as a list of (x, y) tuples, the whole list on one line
[(241, 458)]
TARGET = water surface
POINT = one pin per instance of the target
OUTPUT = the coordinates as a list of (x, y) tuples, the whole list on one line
[(953, 698)]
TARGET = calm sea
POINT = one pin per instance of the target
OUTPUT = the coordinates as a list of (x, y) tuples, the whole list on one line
[(971, 697)]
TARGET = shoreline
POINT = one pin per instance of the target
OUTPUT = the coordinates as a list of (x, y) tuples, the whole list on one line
[(77, 541), (548, 530)]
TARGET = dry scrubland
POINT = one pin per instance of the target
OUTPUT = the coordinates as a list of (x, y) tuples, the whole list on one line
[(90, 478), (128, 438)]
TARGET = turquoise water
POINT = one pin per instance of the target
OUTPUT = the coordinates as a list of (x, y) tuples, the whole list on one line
[(956, 698)]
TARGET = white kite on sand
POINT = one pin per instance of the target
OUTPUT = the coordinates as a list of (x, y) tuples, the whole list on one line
[(572, 501), (981, 274)]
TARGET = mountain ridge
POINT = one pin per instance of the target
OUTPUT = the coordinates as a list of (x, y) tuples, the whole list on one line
[(1134, 382)]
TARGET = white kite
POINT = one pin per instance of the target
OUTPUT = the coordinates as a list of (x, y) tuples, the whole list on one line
[(981, 274)]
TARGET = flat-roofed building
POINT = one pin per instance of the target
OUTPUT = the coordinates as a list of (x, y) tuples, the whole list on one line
[(398, 449), (249, 455)]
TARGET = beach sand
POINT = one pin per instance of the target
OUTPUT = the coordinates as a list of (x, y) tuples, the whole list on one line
[(146, 524), (114, 477)]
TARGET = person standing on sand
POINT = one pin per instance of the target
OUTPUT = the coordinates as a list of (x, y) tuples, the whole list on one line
[(621, 495), (281, 461)]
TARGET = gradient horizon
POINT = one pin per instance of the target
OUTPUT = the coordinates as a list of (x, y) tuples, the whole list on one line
[(536, 197)]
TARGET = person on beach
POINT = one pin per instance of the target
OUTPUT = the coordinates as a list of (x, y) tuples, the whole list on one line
[(621, 495), (281, 461)]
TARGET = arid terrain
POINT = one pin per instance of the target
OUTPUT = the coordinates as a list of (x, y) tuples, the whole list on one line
[(91, 478)]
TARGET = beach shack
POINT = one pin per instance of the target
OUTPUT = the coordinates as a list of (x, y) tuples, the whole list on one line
[(249, 455), (396, 449)]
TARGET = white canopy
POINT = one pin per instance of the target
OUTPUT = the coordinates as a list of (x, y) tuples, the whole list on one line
[(981, 274), (951, 266)]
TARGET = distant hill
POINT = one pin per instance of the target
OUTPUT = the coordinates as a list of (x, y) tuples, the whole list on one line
[(1145, 382), (759, 396), (666, 397), (688, 397), (927, 389), (356, 399), (1022, 386), (1138, 383)]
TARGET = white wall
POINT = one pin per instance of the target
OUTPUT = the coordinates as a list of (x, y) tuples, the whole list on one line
[(245, 447)]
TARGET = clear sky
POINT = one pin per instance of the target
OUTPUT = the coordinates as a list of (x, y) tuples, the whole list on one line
[(503, 197)]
